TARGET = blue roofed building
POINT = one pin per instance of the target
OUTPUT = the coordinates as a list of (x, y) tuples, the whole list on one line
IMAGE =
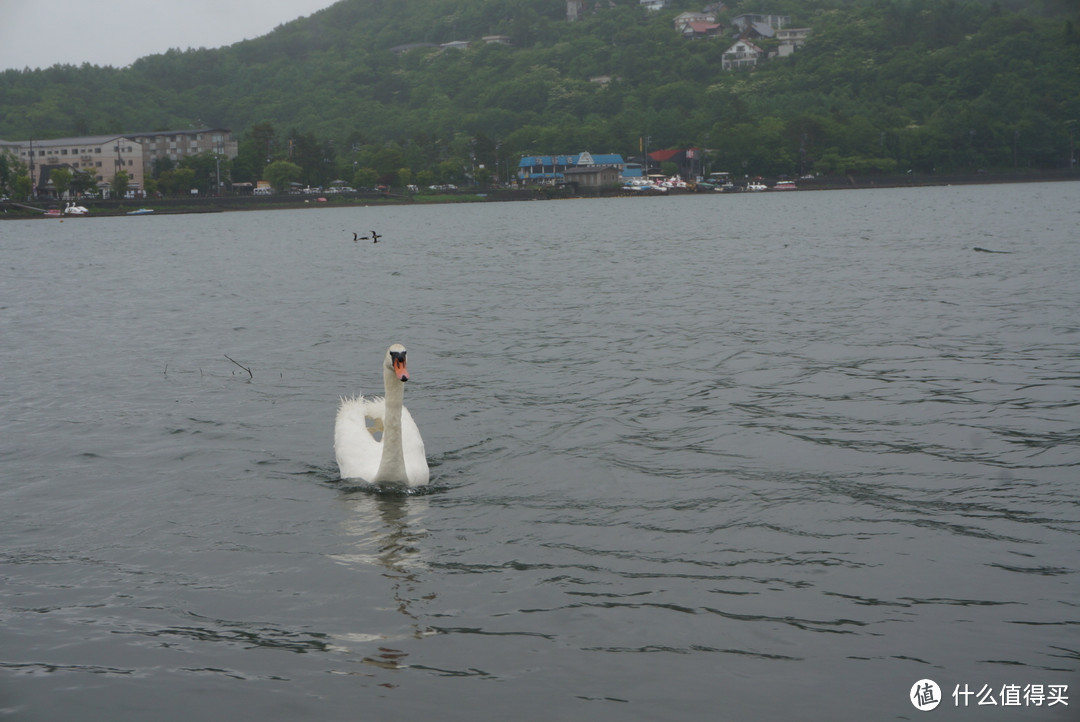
[(550, 169)]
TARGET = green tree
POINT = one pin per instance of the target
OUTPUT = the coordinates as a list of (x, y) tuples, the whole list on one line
[(10, 169), (387, 160), (425, 178), (261, 137), (483, 177), (281, 173), (206, 166), (184, 181), (254, 152), (161, 164), (120, 183), (82, 182), (177, 182), (365, 178), (61, 180), (24, 187), (452, 171)]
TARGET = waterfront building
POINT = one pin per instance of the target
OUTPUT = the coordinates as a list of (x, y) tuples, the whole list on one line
[(552, 168), (102, 156)]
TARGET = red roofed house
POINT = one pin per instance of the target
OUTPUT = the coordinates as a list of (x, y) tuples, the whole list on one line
[(701, 30), (689, 160)]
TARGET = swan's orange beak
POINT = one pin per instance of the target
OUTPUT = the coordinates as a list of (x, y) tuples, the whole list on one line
[(400, 370)]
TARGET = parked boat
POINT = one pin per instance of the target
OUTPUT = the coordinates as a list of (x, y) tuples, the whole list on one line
[(785, 186), (141, 212), (643, 185), (74, 210), (673, 182), (756, 186)]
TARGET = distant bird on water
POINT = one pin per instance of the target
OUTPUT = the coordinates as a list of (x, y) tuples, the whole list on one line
[(374, 237)]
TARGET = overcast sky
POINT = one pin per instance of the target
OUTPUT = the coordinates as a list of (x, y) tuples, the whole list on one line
[(40, 33)]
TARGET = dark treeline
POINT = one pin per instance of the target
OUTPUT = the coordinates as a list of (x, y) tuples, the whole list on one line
[(885, 86)]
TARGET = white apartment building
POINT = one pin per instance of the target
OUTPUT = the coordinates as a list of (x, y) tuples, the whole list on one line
[(103, 156)]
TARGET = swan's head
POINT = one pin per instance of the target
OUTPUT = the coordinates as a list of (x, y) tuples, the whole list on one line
[(395, 362)]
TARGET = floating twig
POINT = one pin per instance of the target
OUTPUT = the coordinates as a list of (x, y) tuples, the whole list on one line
[(250, 375)]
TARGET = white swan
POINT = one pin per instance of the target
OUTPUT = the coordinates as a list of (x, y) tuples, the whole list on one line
[(398, 454)]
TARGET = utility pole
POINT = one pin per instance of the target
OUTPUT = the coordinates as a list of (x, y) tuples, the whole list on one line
[(219, 150), (119, 160), (33, 183)]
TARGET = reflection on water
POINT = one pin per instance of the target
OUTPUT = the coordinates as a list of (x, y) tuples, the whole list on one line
[(385, 529)]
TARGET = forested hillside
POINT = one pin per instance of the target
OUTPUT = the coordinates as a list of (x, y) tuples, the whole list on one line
[(881, 86)]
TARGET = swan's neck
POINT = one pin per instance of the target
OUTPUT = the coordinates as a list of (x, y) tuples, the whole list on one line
[(392, 462)]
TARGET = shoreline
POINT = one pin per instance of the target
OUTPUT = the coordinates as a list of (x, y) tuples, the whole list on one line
[(11, 210)]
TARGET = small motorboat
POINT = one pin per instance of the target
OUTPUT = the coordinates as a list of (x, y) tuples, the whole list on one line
[(785, 186), (141, 212)]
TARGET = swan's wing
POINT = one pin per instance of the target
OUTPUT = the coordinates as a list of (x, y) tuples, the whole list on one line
[(358, 453), (412, 446)]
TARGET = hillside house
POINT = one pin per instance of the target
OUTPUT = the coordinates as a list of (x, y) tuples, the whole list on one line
[(697, 25), (754, 31), (693, 31), (743, 55), (791, 39), (654, 4), (575, 9), (684, 19), (402, 49), (776, 22)]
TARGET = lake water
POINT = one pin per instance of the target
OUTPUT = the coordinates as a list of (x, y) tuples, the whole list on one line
[(752, 457)]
